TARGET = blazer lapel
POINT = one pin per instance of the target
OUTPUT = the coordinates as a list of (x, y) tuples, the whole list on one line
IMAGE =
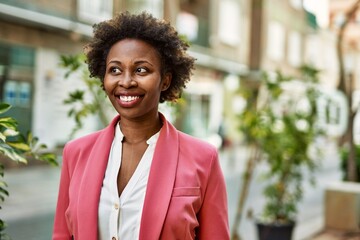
[(160, 183), (90, 189)]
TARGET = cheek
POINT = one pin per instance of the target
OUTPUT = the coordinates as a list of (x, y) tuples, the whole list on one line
[(107, 85), (156, 92), (155, 85)]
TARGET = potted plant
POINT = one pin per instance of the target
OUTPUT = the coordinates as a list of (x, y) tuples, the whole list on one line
[(280, 121)]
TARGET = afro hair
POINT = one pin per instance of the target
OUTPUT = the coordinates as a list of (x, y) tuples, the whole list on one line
[(158, 33)]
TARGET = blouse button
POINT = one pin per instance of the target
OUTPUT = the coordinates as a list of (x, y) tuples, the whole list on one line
[(116, 206)]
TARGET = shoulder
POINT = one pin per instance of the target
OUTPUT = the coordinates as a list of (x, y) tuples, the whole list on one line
[(78, 152), (83, 142), (186, 139), (193, 146), (171, 135), (89, 141)]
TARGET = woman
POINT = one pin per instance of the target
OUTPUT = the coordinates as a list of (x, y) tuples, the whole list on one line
[(140, 178)]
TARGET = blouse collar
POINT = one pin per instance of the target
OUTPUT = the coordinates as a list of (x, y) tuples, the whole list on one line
[(120, 136)]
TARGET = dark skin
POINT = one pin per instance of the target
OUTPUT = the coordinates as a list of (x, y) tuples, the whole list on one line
[(133, 148), (133, 83)]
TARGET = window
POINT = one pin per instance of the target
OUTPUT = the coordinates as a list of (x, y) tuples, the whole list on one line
[(201, 116), (229, 22), (294, 49), (276, 41), (17, 93), (155, 7), (196, 122), (312, 50), (198, 11), (296, 3), (187, 24), (17, 67), (93, 11)]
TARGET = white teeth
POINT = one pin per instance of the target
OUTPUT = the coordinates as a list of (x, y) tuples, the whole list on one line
[(128, 98)]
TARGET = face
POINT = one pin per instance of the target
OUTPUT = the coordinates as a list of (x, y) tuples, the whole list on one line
[(133, 80)]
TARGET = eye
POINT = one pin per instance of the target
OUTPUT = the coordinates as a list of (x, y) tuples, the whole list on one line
[(115, 70), (141, 70)]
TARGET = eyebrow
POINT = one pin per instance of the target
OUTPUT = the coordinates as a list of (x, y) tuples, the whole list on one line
[(136, 62)]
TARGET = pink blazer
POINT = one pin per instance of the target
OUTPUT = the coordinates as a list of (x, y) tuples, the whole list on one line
[(185, 196)]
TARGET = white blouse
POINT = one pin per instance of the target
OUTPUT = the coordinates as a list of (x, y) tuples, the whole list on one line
[(119, 217)]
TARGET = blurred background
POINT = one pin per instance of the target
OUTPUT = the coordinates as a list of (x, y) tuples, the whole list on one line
[(234, 41)]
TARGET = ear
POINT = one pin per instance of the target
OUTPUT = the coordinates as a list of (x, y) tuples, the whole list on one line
[(166, 81)]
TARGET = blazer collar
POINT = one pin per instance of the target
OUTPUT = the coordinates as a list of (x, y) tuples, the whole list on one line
[(160, 183), (89, 192)]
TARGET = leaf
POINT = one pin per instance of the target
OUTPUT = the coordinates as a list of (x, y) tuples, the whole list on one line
[(8, 122), (3, 184), (3, 191), (10, 133), (75, 96), (30, 138), (49, 157), (41, 147), (11, 153), (84, 102), (71, 112), (2, 137), (20, 145), (72, 62), (4, 107)]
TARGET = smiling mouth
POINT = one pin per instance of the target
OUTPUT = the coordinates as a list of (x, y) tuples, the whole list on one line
[(128, 98)]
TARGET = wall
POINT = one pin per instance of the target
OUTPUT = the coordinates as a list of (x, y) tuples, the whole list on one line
[(51, 123)]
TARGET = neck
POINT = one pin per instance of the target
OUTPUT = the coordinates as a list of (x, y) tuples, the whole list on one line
[(137, 132)]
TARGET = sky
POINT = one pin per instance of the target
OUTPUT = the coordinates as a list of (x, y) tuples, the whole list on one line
[(320, 8)]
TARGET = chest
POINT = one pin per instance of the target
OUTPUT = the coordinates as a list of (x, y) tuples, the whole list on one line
[(130, 159)]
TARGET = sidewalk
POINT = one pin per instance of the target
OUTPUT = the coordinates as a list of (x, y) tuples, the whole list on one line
[(310, 220), (337, 235), (29, 210)]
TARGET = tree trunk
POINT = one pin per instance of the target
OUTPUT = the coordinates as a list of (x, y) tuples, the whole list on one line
[(254, 157), (347, 89), (255, 65), (351, 161), (349, 15)]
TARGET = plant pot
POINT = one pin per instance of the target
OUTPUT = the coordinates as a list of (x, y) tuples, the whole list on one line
[(275, 231)]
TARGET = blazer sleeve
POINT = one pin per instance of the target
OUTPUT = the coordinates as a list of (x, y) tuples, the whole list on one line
[(213, 215), (61, 231)]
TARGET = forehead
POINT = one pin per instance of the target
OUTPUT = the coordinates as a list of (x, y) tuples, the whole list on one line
[(133, 49)]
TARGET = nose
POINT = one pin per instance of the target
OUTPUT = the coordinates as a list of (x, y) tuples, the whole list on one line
[(126, 81)]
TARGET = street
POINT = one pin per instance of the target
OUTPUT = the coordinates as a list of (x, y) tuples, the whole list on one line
[(38, 227), (29, 209)]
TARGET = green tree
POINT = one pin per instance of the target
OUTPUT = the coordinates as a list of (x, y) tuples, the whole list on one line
[(282, 134), (87, 101)]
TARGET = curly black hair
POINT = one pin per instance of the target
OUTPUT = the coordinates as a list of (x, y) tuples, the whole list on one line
[(158, 33)]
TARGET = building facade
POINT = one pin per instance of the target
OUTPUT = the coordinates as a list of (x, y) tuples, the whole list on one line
[(34, 34), (231, 40)]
